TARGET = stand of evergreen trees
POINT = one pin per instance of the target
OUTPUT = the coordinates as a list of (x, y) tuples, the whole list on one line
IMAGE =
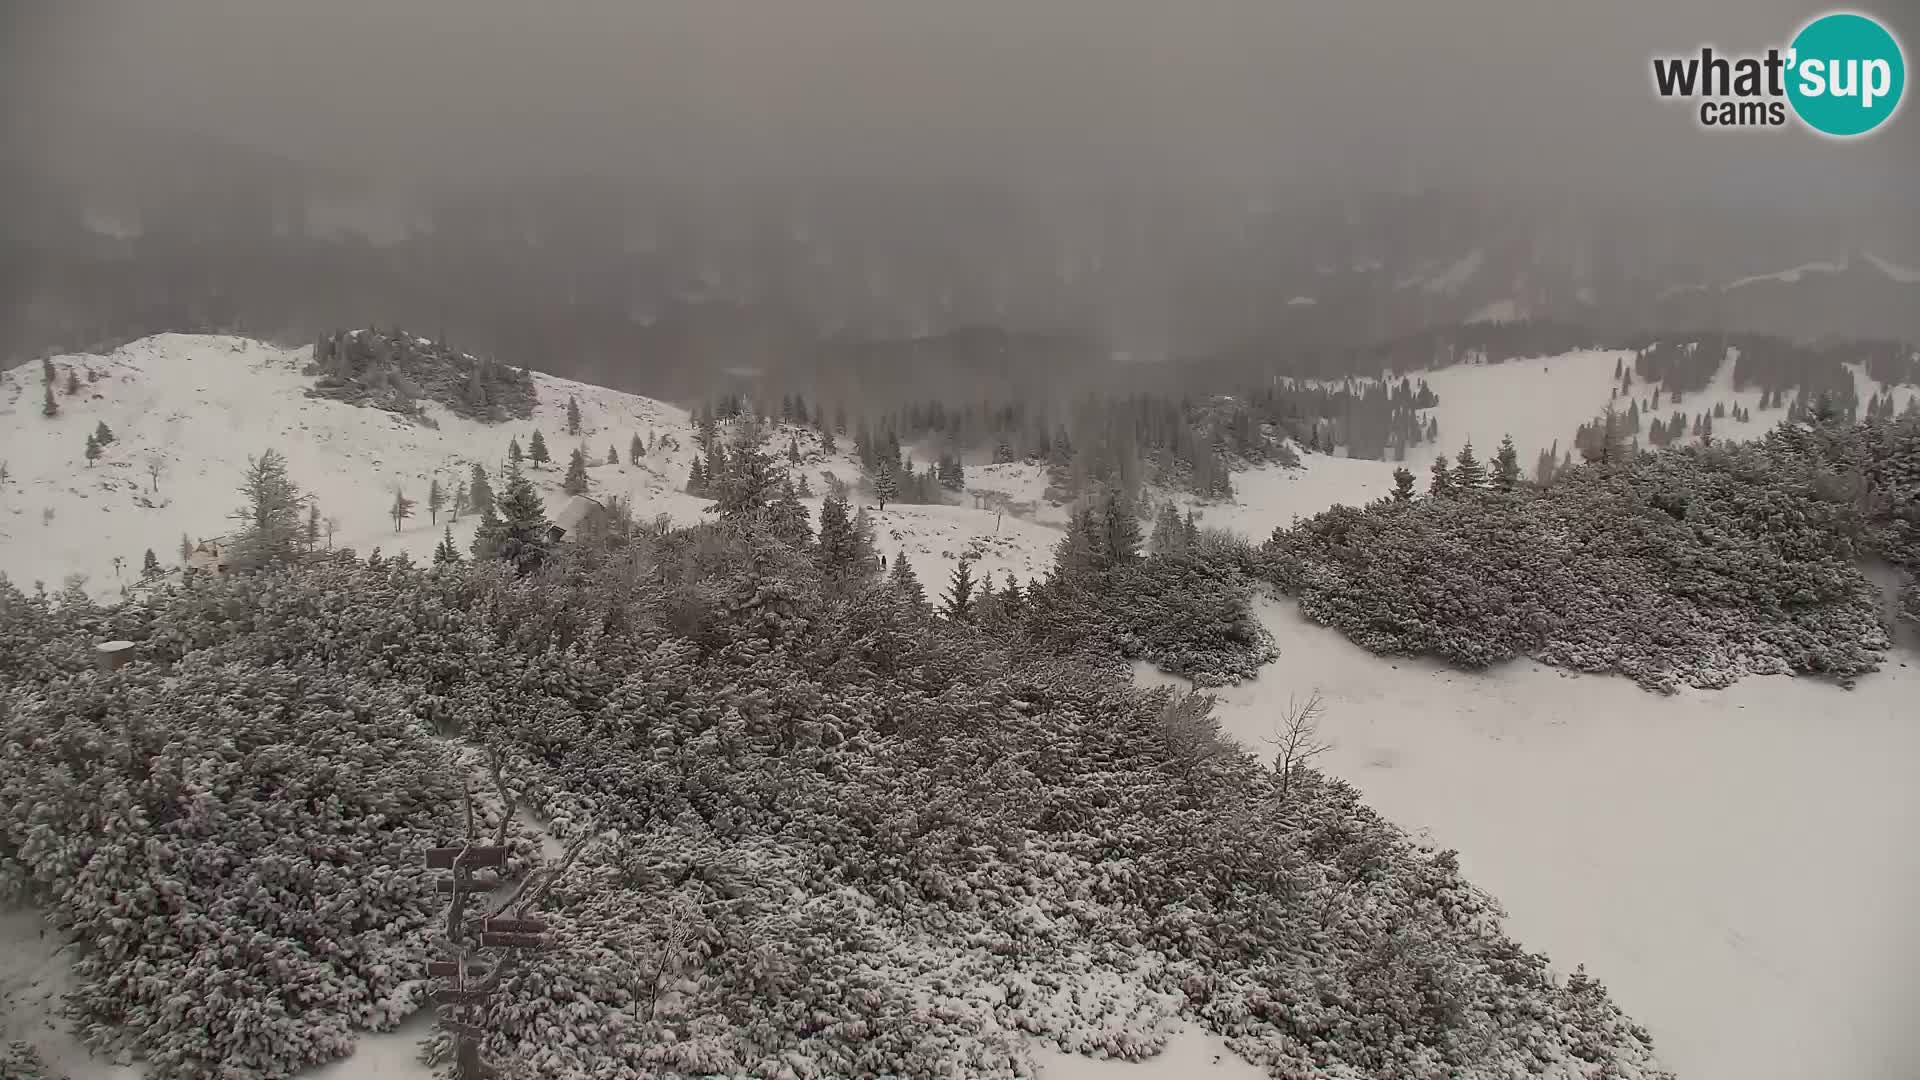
[(395, 371)]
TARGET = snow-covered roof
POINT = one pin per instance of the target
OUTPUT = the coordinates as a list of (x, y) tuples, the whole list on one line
[(577, 509)]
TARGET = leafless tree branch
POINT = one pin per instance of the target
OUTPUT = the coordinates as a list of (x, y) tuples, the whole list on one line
[(1296, 739)]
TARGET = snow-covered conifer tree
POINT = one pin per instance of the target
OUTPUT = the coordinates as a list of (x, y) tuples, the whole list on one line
[(1506, 466), (576, 479), (446, 552), (957, 605), (480, 492)]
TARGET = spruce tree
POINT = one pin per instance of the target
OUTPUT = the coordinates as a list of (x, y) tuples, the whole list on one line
[(150, 565), (460, 502), (1083, 549), (1543, 467), (885, 481), (480, 492), (401, 508), (613, 456), (49, 407), (486, 536), (446, 553), (103, 434), (1121, 542), (837, 543), (697, 477), (518, 532), (866, 558), (745, 488), (1506, 465), (959, 599), (793, 450), (1468, 473), (93, 449), (514, 456), (1168, 538), (73, 382), (537, 450), (1441, 482), (635, 450), (186, 549), (788, 519), (1612, 438), (905, 584), (1402, 484), (573, 416), (436, 501), (1013, 601), (576, 479)]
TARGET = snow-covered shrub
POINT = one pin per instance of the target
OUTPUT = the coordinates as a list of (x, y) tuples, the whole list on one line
[(20, 1061), (1691, 566), (1187, 613), (842, 838), (236, 845)]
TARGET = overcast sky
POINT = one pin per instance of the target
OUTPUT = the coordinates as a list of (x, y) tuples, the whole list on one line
[(1548, 93)]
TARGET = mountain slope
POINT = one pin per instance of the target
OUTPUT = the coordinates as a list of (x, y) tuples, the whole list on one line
[(199, 405)]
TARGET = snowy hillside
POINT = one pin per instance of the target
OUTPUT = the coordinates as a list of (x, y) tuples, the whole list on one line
[(199, 405)]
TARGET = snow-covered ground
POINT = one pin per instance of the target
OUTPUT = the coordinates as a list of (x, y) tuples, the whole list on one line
[(1538, 401), (1735, 865), (35, 970), (1730, 863), (200, 405)]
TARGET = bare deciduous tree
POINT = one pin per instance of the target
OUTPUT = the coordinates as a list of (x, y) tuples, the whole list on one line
[(155, 466), (1296, 739)]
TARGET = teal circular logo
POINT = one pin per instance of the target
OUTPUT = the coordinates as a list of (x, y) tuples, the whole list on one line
[(1847, 74)]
